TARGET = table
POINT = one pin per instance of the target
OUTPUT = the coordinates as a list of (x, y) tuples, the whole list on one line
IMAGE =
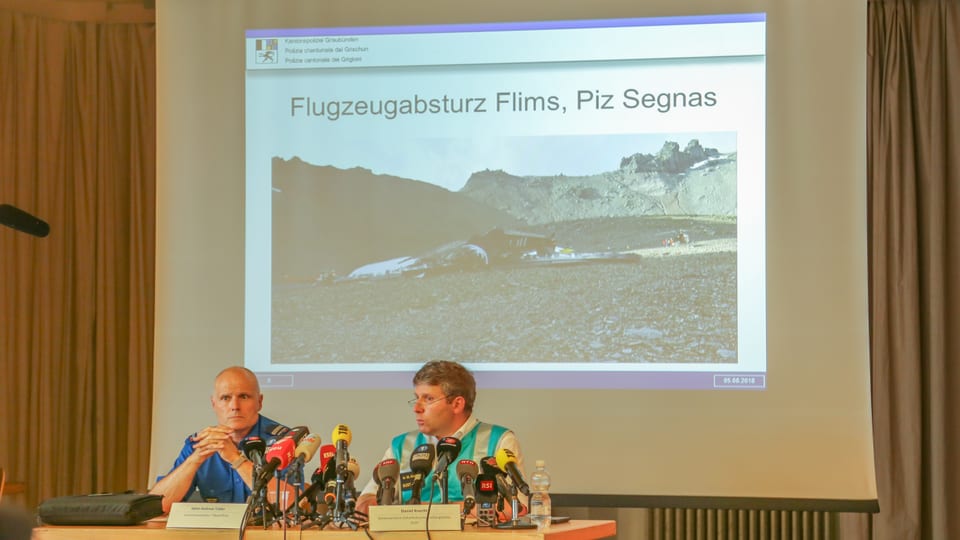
[(157, 530)]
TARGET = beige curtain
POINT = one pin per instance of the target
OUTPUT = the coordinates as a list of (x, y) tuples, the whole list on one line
[(77, 149)]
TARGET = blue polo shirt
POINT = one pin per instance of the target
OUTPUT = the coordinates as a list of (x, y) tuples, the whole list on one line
[(216, 479)]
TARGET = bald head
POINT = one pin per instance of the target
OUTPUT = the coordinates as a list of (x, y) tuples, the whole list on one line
[(237, 371)]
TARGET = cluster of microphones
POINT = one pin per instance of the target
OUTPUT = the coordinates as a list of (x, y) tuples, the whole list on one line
[(331, 495)]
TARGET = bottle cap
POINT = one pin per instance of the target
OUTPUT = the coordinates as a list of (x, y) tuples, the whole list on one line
[(540, 463)]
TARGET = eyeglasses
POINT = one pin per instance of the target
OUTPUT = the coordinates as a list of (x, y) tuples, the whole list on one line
[(426, 400)]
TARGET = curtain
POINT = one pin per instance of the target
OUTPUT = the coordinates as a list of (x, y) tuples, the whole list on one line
[(77, 147), (913, 171)]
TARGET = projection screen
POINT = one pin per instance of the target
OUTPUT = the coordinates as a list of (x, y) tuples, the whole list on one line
[(642, 228)]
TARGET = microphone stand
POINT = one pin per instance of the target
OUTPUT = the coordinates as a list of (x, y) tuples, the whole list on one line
[(444, 481), (295, 477), (515, 522)]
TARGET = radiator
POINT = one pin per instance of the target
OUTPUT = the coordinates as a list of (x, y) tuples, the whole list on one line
[(680, 524)]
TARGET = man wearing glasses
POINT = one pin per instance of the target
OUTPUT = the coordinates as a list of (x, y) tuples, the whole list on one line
[(444, 393)]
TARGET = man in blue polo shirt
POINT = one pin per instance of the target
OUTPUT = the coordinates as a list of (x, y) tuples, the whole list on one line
[(211, 460)]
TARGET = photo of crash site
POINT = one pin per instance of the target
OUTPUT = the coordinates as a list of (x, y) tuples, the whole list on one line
[(632, 264)]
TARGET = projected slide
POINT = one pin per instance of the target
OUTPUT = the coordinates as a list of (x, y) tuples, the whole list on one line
[(581, 198)]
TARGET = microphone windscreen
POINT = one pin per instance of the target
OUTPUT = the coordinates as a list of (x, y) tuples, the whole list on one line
[(449, 448), (253, 449), (466, 467), (308, 447), (341, 433), (489, 465), (281, 450), (353, 467), (327, 452), (505, 456), (388, 468), (297, 434), (421, 460)]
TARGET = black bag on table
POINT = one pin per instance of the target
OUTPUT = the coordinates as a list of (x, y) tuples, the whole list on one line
[(101, 509)]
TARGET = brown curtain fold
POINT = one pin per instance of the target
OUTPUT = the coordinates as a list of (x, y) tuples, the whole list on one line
[(913, 99), (77, 149)]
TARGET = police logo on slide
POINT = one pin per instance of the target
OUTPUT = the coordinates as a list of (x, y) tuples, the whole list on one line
[(267, 51)]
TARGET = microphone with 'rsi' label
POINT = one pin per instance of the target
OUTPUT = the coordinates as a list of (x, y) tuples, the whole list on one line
[(467, 471), (486, 499), (421, 462), (507, 461), (386, 474), (489, 467)]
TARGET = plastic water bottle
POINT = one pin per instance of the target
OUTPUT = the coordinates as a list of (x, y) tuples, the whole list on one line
[(540, 507)]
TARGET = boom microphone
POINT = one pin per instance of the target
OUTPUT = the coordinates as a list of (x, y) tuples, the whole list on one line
[(467, 473), (386, 474), (421, 461), (507, 462), (15, 218), (278, 456)]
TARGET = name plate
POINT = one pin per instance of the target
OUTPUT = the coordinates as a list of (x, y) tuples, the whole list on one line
[(413, 517), (185, 515)]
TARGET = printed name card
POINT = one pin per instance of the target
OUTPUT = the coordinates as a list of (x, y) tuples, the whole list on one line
[(413, 517), (206, 515)]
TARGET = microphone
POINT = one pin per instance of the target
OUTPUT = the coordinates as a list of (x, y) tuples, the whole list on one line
[(327, 452), (507, 462), (386, 474), (447, 450), (17, 219), (330, 485), (421, 461), (341, 438), (349, 489), (487, 499), (253, 448), (316, 483), (297, 434), (306, 449), (467, 473), (490, 468), (278, 456)]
